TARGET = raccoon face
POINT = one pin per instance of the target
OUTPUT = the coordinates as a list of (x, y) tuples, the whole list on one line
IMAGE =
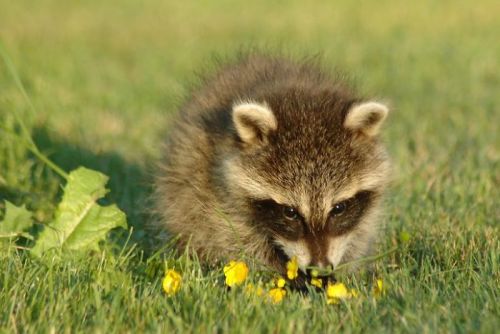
[(312, 175)]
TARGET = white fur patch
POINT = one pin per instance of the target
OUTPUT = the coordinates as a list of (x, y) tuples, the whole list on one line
[(251, 184), (305, 207), (337, 248), (298, 249)]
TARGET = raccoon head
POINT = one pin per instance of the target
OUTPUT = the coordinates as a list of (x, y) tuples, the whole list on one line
[(311, 174)]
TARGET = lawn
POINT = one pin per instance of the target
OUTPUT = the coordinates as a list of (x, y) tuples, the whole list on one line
[(104, 76)]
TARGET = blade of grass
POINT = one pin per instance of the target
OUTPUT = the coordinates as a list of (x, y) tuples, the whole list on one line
[(24, 129)]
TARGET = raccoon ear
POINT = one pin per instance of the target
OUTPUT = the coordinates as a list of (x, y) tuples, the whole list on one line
[(366, 117), (253, 122)]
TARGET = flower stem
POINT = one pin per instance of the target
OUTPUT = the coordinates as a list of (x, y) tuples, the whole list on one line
[(24, 129), (366, 259)]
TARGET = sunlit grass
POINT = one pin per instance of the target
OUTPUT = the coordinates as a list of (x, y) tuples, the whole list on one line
[(105, 76)]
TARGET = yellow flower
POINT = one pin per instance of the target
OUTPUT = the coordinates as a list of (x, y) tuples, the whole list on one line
[(236, 272), (279, 282), (317, 282), (276, 295), (292, 268), (336, 292), (379, 289), (172, 282), (314, 273), (332, 301)]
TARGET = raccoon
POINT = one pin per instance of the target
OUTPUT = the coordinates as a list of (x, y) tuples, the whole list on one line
[(277, 159)]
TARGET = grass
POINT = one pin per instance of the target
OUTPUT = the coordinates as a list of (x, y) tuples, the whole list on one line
[(104, 76)]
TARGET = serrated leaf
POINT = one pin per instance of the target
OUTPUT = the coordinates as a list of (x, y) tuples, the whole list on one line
[(16, 221), (80, 223), (95, 226)]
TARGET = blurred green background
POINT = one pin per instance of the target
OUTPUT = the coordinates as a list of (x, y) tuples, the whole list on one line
[(105, 76)]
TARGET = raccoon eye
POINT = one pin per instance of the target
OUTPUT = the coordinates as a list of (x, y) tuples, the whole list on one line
[(339, 208), (290, 213)]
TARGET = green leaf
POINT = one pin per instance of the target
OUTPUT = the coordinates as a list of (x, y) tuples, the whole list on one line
[(15, 222), (80, 223)]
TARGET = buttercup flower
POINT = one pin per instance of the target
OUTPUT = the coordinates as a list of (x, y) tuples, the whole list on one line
[(172, 282), (336, 292), (379, 289), (279, 282), (236, 272), (276, 295), (331, 301), (317, 282), (292, 268)]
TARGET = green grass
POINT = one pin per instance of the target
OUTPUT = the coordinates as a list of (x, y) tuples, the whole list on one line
[(105, 75)]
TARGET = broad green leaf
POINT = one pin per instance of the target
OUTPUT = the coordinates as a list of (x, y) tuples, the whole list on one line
[(15, 222), (80, 223)]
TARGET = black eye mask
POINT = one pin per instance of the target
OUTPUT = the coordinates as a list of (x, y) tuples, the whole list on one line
[(353, 209)]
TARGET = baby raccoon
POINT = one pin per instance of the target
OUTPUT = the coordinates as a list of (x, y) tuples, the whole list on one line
[(277, 159)]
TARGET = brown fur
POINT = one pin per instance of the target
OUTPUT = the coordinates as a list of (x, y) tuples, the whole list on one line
[(213, 185)]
